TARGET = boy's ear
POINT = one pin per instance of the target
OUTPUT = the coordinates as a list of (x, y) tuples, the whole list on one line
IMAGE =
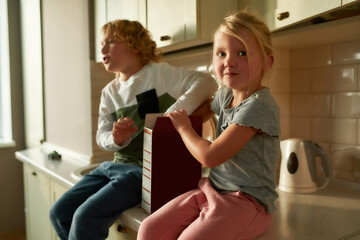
[(135, 50), (268, 62)]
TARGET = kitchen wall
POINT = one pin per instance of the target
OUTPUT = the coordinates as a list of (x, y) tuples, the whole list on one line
[(325, 98), (317, 87), (66, 74)]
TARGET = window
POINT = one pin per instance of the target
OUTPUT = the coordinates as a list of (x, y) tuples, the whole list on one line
[(5, 98)]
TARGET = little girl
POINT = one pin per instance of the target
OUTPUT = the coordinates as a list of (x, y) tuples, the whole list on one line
[(237, 199)]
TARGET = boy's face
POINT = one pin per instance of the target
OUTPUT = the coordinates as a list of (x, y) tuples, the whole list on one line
[(231, 61), (117, 57)]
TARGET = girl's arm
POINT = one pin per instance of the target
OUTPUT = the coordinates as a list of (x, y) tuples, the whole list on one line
[(211, 154)]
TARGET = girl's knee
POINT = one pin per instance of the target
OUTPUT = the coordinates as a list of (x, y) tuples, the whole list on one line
[(146, 229)]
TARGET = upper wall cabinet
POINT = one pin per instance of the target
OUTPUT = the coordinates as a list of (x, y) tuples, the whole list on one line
[(266, 9), (174, 25), (185, 23), (348, 1), (282, 14), (292, 11)]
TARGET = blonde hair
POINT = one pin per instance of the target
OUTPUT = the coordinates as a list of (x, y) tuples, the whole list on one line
[(254, 25), (136, 38)]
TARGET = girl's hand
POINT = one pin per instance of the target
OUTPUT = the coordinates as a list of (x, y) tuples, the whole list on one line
[(180, 120), (123, 129)]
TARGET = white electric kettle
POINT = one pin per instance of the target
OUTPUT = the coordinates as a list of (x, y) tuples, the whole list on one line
[(298, 166)]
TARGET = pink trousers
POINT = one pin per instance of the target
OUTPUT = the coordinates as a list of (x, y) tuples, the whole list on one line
[(204, 213)]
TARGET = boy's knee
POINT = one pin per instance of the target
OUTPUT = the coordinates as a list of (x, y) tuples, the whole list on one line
[(82, 216), (55, 211)]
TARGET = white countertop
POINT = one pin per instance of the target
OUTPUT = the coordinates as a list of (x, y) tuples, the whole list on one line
[(331, 213)]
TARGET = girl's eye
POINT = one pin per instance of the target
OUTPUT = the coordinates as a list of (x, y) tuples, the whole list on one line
[(242, 53), (221, 54)]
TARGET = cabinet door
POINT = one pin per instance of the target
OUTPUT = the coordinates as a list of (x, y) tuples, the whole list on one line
[(122, 9), (37, 205), (57, 191), (292, 11), (170, 21), (265, 9), (344, 2)]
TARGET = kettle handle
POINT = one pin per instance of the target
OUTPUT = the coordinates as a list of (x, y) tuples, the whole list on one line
[(318, 151)]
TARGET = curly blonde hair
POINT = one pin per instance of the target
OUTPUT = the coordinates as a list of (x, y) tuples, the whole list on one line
[(136, 38)]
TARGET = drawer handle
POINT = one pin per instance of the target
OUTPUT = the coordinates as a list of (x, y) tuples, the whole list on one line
[(33, 173), (165, 38), (283, 15)]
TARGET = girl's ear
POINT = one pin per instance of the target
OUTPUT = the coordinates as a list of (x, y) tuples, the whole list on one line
[(268, 62)]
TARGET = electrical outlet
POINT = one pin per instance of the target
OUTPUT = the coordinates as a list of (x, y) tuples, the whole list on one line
[(356, 167)]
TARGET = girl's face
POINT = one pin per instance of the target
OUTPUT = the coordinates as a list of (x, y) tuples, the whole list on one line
[(118, 58), (231, 62)]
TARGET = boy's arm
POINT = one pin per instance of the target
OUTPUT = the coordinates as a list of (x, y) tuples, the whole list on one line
[(107, 127), (190, 88)]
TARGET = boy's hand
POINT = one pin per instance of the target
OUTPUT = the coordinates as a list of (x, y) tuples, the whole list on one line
[(123, 129), (179, 119)]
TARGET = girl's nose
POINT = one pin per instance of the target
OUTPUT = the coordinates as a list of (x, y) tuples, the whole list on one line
[(229, 62)]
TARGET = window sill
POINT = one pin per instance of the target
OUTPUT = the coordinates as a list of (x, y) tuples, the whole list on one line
[(6, 143)]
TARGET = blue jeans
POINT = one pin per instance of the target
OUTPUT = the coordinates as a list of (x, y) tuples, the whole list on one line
[(92, 205)]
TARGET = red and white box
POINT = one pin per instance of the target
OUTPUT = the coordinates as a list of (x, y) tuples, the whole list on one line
[(169, 169)]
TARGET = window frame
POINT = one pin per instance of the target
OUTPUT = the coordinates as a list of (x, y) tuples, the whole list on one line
[(6, 138)]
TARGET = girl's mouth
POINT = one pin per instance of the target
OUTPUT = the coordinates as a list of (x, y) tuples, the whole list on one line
[(230, 74)]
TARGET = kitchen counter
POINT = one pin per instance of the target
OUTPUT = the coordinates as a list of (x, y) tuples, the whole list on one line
[(331, 213)]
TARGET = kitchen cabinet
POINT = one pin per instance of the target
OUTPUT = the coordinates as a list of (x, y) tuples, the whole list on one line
[(41, 191), (348, 1), (37, 204), (174, 25), (185, 23), (292, 11), (265, 9), (56, 191), (123, 9)]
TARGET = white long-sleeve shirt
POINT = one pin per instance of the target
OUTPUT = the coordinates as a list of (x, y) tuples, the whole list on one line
[(176, 88)]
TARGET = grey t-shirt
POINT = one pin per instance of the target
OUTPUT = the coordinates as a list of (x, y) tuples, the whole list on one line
[(253, 169)]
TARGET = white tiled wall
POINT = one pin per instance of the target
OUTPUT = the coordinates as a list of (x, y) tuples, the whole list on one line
[(325, 99), (317, 89)]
